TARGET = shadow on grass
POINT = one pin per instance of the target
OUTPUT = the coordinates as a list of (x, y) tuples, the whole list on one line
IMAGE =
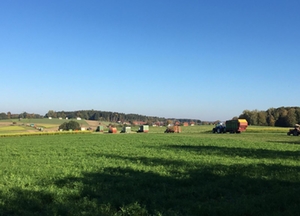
[(204, 190), (292, 142), (237, 152)]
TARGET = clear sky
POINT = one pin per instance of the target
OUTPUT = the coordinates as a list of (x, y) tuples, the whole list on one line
[(204, 59)]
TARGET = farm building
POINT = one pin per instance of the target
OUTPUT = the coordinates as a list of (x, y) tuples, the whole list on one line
[(159, 123), (185, 124), (138, 122)]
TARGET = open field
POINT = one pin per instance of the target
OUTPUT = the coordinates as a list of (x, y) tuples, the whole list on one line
[(51, 125), (22, 126), (191, 173)]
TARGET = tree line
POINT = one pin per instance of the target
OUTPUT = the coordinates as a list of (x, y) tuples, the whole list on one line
[(95, 115), (281, 117), (101, 116), (9, 115), (110, 116)]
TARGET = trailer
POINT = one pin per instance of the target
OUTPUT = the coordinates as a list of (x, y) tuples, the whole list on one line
[(126, 130), (100, 128), (231, 126), (236, 126), (173, 129), (143, 129), (112, 130)]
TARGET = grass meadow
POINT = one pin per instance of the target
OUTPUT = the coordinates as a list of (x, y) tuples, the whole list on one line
[(192, 173)]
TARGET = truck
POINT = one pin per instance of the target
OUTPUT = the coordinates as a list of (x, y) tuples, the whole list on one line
[(231, 126)]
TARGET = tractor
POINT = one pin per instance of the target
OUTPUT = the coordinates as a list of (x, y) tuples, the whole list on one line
[(295, 131), (219, 128)]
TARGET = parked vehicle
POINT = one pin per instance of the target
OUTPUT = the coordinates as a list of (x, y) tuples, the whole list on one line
[(173, 129), (219, 128), (100, 128), (112, 129), (231, 126), (126, 130), (143, 129), (295, 131)]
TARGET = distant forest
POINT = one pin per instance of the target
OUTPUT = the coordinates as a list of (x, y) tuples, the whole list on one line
[(97, 115), (282, 116)]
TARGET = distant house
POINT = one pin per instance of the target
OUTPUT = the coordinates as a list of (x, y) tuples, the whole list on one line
[(159, 124), (138, 122), (185, 124)]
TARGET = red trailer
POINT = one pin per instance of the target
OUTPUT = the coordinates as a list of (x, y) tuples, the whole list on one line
[(236, 126)]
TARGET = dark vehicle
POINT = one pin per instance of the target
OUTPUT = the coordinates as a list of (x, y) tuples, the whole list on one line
[(295, 131), (173, 129), (126, 130), (100, 128), (219, 128), (143, 129), (231, 126)]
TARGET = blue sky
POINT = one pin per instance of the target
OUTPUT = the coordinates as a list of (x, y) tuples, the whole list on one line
[(207, 60)]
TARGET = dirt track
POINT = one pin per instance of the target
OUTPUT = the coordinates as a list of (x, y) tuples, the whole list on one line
[(92, 124)]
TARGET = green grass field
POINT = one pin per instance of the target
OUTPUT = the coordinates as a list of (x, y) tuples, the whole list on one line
[(191, 173)]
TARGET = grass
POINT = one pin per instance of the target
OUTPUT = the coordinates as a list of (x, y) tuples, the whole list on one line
[(192, 173), (22, 127), (42, 121), (12, 128)]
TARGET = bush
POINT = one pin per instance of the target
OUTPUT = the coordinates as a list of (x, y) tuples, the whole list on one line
[(71, 125)]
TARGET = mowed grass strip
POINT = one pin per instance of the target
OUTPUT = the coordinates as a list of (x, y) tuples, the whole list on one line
[(12, 128), (48, 125), (150, 174)]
